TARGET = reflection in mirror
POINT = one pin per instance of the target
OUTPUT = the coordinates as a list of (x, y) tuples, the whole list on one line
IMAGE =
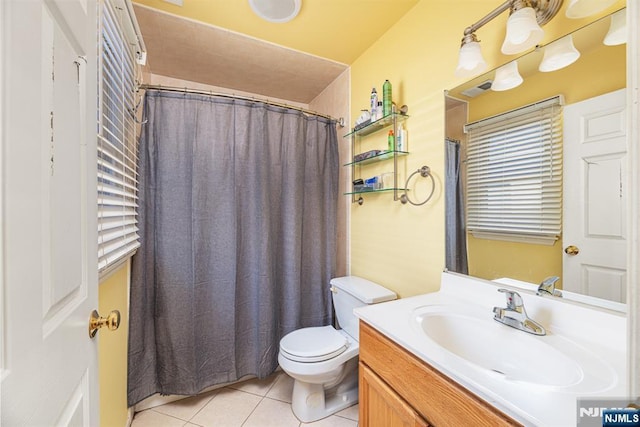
[(599, 70)]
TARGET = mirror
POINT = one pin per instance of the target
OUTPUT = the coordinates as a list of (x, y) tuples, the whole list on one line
[(599, 70)]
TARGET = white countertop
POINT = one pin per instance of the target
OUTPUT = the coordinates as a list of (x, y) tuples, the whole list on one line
[(601, 332)]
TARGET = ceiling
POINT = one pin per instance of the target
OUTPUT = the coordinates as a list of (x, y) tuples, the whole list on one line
[(223, 43)]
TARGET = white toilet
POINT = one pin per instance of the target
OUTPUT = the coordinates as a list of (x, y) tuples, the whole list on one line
[(323, 361)]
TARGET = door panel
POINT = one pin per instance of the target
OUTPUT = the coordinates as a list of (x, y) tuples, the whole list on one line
[(604, 282), (595, 147), (49, 206), (64, 281), (605, 210)]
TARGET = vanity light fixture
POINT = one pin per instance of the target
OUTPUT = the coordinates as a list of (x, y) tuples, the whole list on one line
[(582, 8), (617, 29), (278, 11), (470, 60), (507, 77), (523, 31), (559, 54)]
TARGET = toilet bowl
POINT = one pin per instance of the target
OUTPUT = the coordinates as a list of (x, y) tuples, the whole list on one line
[(323, 361)]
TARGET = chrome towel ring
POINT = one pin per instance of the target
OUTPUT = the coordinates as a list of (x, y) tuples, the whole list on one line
[(424, 172)]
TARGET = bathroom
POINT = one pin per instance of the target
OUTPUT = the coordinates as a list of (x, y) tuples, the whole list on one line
[(396, 245)]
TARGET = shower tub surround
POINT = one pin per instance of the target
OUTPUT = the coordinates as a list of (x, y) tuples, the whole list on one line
[(535, 380)]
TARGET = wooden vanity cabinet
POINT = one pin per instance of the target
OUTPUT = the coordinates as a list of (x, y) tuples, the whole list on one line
[(381, 406), (398, 389)]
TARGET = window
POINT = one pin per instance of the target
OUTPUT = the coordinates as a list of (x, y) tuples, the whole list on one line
[(117, 146), (514, 174)]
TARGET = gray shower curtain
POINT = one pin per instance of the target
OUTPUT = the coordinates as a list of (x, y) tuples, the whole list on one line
[(455, 232), (237, 217)]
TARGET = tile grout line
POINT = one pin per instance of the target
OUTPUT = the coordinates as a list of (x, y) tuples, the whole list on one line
[(203, 406), (261, 399), (278, 400), (252, 411), (278, 378), (164, 415)]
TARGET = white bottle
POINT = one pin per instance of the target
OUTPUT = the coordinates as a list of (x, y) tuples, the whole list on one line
[(374, 105), (400, 138)]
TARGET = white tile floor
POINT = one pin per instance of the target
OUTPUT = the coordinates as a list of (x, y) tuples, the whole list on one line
[(252, 403)]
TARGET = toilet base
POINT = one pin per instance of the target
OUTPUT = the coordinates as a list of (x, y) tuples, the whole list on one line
[(312, 402)]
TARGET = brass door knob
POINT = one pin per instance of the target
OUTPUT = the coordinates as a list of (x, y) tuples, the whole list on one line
[(112, 322), (571, 250)]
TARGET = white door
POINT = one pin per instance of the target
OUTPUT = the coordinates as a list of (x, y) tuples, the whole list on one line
[(595, 147), (49, 236)]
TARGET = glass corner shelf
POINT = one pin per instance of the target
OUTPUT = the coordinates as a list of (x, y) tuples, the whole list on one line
[(384, 155), (378, 124)]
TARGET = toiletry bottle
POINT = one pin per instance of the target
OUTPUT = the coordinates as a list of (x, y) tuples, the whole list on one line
[(386, 98), (400, 138), (374, 105), (379, 111), (405, 139), (391, 140)]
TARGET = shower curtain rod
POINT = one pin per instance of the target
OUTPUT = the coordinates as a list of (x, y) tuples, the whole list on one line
[(339, 122)]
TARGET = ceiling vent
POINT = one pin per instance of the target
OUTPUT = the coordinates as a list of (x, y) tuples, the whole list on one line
[(472, 92)]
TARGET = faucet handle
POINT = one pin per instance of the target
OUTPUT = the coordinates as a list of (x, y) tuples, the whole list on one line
[(548, 286), (515, 315), (514, 300)]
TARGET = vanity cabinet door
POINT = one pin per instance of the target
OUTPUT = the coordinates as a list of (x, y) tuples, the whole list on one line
[(433, 395), (381, 406)]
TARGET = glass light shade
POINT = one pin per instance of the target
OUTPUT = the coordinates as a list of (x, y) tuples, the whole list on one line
[(470, 60), (617, 29), (278, 11), (559, 54), (507, 77), (582, 8), (523, 31)]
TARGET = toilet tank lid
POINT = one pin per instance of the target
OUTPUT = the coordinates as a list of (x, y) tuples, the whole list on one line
[(363, 289)]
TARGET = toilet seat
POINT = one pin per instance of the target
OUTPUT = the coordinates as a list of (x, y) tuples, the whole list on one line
[(313, 344)]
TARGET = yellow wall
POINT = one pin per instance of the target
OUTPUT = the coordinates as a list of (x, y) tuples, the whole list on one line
[(113, 294), (402, 246)]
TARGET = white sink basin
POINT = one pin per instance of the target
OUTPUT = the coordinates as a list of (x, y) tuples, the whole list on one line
[(537, 380), (513, 355)]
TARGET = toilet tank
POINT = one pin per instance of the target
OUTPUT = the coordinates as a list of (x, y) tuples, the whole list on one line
[(350, 292)]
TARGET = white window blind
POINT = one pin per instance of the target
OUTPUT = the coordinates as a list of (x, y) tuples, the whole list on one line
[(514, 174), (117, 146)]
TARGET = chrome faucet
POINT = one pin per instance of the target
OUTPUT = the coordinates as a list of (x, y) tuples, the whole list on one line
[(515, 315), (548, 287)]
